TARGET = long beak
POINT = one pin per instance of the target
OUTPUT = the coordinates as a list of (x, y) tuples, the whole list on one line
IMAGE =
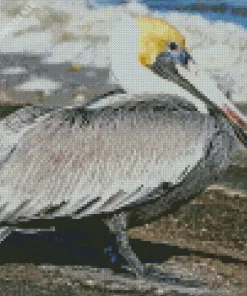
[(205, 89), (217, 100), (182, 77)]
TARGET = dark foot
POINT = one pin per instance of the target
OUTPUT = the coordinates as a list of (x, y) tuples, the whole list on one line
[(156, 275)]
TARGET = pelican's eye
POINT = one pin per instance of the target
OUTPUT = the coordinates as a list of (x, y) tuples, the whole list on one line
[(175, 53), (173, 45)]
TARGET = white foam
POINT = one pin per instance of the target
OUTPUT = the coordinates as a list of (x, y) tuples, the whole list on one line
[(34, 42), (13, 70), (136, 7), (65, 52), (39, 84), (219, 48), (216, 56)]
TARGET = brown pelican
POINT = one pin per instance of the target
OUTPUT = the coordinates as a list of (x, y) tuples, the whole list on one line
[(126, 163)]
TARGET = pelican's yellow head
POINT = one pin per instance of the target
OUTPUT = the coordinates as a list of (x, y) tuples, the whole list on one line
[(155, 33), (135, 43)]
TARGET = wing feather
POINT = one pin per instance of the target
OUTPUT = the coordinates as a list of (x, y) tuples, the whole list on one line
[(13, 126), (78, 163)]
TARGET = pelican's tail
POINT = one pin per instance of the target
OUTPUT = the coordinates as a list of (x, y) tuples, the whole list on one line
[(4, 232)]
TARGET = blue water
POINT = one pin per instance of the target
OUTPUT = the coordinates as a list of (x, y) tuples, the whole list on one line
[(171, 5)]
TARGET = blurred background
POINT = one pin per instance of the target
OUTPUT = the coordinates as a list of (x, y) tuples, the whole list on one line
[(55, 52)]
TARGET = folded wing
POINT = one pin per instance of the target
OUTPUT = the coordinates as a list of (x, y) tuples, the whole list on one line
[(77, 162), (13, 127)]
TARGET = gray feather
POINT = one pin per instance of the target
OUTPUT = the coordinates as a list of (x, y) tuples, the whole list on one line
[(114, 156), (15, 125), (4, 233)]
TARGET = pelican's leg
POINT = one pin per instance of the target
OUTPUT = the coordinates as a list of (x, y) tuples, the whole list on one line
[(117, 224), (134, 264)]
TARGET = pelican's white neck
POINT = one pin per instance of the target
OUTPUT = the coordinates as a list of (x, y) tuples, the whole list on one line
[(130, 74), (123, 48)]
